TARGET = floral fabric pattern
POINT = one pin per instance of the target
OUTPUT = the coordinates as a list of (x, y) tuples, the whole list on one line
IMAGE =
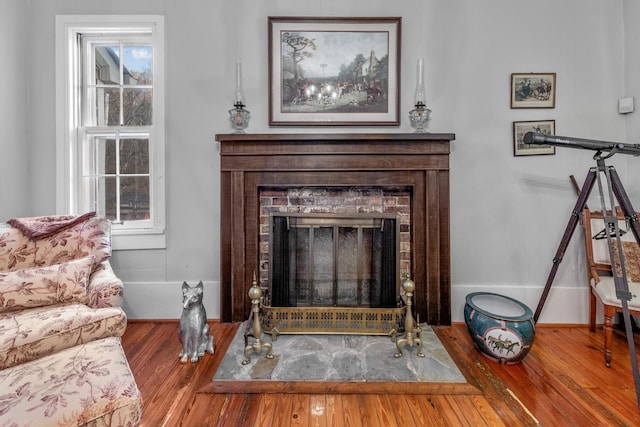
[(38, 286), (91, 237), (61, 360), (105, 289), (32, 333), (631, 252), (89, 384)]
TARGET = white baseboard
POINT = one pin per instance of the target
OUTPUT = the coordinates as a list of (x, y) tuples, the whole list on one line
[(163, 300), (563, 304)]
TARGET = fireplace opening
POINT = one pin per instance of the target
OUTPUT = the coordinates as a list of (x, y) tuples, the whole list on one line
[(323, 260)]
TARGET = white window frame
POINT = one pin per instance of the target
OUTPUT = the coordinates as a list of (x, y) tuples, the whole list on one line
[(69, 28)]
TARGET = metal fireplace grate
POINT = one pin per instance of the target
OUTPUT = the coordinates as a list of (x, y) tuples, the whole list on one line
[(334, 273)]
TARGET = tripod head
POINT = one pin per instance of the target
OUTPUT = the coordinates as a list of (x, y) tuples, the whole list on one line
[(585, 144)]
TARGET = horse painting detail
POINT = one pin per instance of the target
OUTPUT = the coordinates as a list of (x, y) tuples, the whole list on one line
[(533, 90), (194, 330), (498, 345)]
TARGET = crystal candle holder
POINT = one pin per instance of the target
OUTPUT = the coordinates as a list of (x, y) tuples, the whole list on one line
[(419, 116), (239, 117)]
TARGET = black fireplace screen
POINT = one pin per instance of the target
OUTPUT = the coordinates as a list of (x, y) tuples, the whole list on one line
[(330, 260)]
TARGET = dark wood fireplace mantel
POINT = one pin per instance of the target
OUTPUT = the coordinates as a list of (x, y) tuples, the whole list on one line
[(420, 162)]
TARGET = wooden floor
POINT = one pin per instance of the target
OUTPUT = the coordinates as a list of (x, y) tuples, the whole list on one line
[(562, 381)]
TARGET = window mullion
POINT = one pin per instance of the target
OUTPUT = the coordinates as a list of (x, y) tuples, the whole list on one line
[(117, 186), (121, 87)]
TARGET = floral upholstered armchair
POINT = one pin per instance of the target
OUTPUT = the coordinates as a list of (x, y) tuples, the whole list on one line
[(61, 361)]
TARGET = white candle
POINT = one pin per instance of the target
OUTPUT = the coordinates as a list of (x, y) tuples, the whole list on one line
[(420, 92), (239, 94)]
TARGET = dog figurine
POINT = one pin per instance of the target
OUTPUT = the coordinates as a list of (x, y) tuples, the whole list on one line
[(194, 330)]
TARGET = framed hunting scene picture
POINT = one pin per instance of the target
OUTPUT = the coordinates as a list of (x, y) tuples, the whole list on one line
[(334, 71)]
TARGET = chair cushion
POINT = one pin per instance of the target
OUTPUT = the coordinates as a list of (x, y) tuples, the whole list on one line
[(40, 286), (606, 291), (89, 384), (37, 332), (631, 252)]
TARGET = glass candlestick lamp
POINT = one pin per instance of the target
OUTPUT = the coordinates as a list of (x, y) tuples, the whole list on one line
[(419, 116), (238, 116)]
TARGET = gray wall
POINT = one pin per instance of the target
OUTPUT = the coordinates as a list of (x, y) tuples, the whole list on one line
[(508, 213), (632, 79), (15, 180)]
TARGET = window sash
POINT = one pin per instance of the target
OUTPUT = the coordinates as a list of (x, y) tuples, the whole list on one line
[(75, 36), (95, 175)]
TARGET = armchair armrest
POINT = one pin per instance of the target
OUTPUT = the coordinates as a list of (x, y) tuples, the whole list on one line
[(105, 289), (594, 277)]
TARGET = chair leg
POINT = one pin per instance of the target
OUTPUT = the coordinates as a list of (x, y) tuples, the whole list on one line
[(592, 312), (609, 312)]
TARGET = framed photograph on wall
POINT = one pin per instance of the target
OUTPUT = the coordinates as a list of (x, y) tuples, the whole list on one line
[(334, 71), (547, 127), (530, 90)]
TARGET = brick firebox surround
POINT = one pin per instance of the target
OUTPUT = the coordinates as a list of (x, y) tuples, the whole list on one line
[(350, 201), (252, 163)]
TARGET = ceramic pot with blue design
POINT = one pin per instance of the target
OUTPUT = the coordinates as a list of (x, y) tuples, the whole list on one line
[(501, 328)]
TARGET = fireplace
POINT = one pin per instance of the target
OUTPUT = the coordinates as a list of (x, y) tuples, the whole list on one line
[(333, 260), (253, 166)]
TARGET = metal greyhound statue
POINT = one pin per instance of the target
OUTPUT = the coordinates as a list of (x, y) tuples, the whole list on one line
[(194, 330)]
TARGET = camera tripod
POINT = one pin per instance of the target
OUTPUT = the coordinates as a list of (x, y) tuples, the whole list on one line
[(615, 188)]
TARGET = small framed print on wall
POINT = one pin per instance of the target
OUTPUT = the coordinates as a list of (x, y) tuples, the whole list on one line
[(530, 90), (547, 127)]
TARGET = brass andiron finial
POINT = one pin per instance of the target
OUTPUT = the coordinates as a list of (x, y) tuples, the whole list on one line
[(255, 293), (412, 330)]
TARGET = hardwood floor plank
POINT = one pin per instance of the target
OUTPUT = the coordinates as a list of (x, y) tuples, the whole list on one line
[(532, 398), (282, 415), (234, 413), (451, 413), (568, 397), (424, 411), (621, 402), (403, 412), (204, 410), (486, 412), (386, 411), (480, 371), (584, 357), (563, 377), (369, 410), (318, 410), (300, 410), (266, 410), (335, 411), (351, 406), (253, 406), (468, 408)]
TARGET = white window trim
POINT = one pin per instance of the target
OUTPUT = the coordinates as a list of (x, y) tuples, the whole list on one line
[(68, 27)]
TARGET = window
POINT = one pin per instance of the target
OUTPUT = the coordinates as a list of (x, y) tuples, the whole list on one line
[(110, 138)]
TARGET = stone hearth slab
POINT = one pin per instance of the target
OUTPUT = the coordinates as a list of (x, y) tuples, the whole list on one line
[(339, 364)]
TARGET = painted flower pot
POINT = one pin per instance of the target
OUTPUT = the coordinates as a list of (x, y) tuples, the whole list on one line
[(501, 328)]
